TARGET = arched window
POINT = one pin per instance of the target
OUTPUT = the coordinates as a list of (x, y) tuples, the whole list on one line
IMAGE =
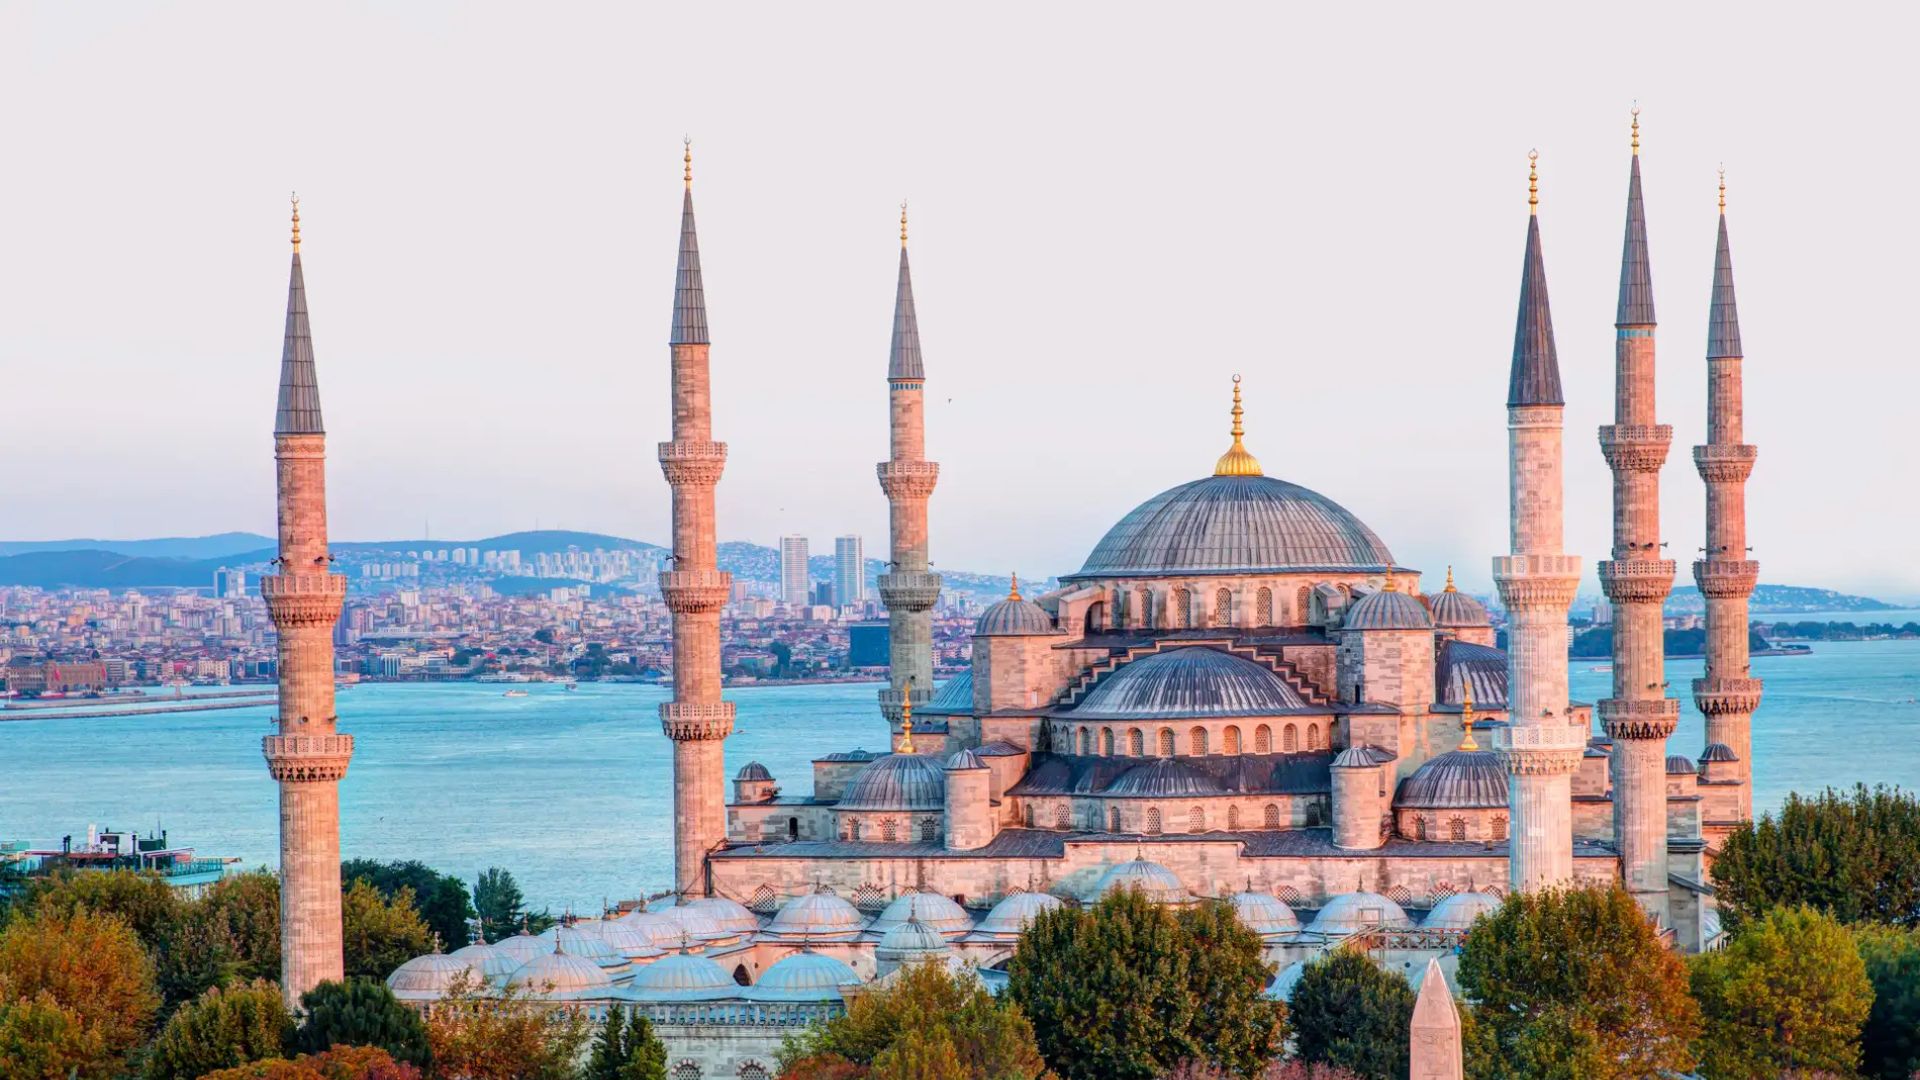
[(1166, 742), (1153, 819), (1146, 607), (686, 1070), (1223, 607), (1233, 740), (1197, 742), (1304, 613), (1456, 829), (1289, 739), (1136, 742), (1313, 737), (1500, 828), (793, 828), (853, 829), (1117, 604), (1233, 818), (1263, 740), (889, 830), (1178, 610), (930, 831), (1113, 819), (1106, 741), (753, 1070), (1029, 815), (1197, 819), (1080, 742), (1419, 828), (1273, 816), (1061, 820), (1096, 619), (1263, 607), (1314, 816)]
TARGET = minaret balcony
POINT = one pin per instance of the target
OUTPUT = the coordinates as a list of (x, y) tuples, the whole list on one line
[(1726, 579), (304, 599), (1548, 749), (1636, 581), (1725, 463), (307, 758), (1647, 719), (694, 721), (1636, 447), (1726, 697), (1537, 581), (693, 464), (910, 590), (690, 591), (908, 479)]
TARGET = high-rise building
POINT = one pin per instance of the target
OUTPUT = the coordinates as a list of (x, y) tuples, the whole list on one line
[(229, 584), (795, 585), (849, 571)]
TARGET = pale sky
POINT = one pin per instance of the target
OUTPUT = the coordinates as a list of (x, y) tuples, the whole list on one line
[(1115, 208)]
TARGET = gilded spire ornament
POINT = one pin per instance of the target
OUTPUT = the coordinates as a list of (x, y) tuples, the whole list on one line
[(1636, 129), (1014, 592), (906, 720), (1533, 181), (1466, 718), (903, 223), (1449, 587), (1391, 585), (1236, 461), (1723, 191), (687, 159), (296, 218)]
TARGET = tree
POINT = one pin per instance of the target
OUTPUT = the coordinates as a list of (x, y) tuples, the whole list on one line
[(1348, 1012), (1854, 856), (927, 1024), (502, 909), (380, 935), (340, 1063), (1576, 983), (627, 1050), (441, 898), (476, 1033), (221, 1029), (1123, 990), (1788, 993), (142, 900), (197, 954), (80, 980), (42, 1040), (247, 907), (360, 1012), (1890, 1039)]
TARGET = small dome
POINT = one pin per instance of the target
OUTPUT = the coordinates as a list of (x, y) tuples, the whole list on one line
[(896, 782), (1388, 609), (489, 961), (1015, 913), (1014, 617), (1457, 780), (426, 978), (1354, 757), (1165, 778), (819, 914), (577, 941), (911, 940), (1281, 988), (963, 760), (753, 770), (683, 977), (1458, 911), (1718, 752), (562, 976), (1355, 911), (1455, 610), (523, 947), (1156, 882), (630, 941), (803, 976), (730, 914), (1264, 913), (951, 698), (1680, 765), (851, 755), (1190, 682), (929, 908), (999, 748), (697, 925), (661, 932)]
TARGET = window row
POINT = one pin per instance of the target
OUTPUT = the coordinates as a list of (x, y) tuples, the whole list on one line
[(1132, 742)]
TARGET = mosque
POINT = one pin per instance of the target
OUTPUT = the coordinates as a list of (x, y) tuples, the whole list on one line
[(1240, 694)]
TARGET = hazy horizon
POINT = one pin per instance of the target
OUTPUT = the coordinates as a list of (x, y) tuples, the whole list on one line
[(1114, 210)]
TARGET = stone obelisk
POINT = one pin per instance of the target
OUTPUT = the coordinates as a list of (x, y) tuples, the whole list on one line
[(1435, 1031)]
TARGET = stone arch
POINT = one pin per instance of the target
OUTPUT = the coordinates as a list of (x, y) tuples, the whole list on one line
[(1197, 819), (1289, 739), (1166, 742), (1263, 740), (1263, 607), (1197, 742), (1136, 742), (1223, 607), (1106, 741), (1232, 737), (1153, 819), (1096, 617), (1233, 818), (1272, 815)]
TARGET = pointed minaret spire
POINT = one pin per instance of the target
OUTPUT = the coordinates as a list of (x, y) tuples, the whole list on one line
[(1636, 271), (903, 361), (1536, 364), (689, 296), (299, 408), (1723, 318)]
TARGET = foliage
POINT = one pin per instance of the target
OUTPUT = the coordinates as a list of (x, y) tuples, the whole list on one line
[(340, 1063), (626, 1050), (1854, 856), (1347, 1011), (247, 908), (479, 1034), (1890, 1040), (927, 1024), (1291, 1069), (221, 1029), (197, 953), (82, 982), (142, 900), (360, 1012), (441, 898), (380, 934), (503, 910), (1121, 990), (1575, 983), (42, 1040), (1788, 992)]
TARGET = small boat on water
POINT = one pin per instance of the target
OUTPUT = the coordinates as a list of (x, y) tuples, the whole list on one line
[(514, 693), (572, 685)]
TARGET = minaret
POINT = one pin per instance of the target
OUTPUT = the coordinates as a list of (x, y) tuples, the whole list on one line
[(1542, 745), (1639, 716), (306, 755), (909, 588), (1729, 694), (695, 589)]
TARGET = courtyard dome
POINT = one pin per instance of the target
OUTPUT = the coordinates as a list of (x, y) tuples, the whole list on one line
[(819, 914), (1281, 988), (1388, 609), (1264, 913), (630, 941), (1017, 912), (1236, 525), (683, 977), (1352, 912), (730, 914), (1155, 882), (589, 945), (911, 940), (1014, 617), (661, 931), (753, 770), (492, 964), (426, 978), (561, 976), (1457, 780), (1458, 911), (1190, 682), (523, 947), (697, 924), (1455, 610), (929, 908), (803, 976), (896, 782)]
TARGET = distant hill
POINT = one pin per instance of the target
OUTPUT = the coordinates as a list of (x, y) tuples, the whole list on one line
[(529, 543), (1780, 600), (105, 570), (217, 546)]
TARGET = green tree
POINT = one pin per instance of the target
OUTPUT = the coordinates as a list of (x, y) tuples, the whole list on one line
[(626, 1049), (1787, 994), (83, 981), (142, 900), (928, 1024), (247, 907), (1348, 1012), (42, 1040), (221, 1029), (1890, 1040), (1854, 856), (477, 1033), (1240, 1028), (1576, 983), (360, 1012), (441, 898), (197, 954), (503, 910), (380, 934)]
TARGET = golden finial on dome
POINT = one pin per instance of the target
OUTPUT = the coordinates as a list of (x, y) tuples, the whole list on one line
[(1723, 190), (296, 222), (1014, 592), (1449, 587), (687, 158), (903, 223), (906, 720), (1236, 461), (1466, 718), (1533, 181), (1636, 129), (1391, 585)]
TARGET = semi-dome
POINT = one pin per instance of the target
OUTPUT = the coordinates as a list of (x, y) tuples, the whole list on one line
[(951, 698), (628, 940), (1352, 912), (1014, 617), (1236, 525), (1190, 682), (1457, 780), (493, 964), (1015, 913), (1164, 778), (1388, 609), (562, 976), (929, 908), (1455, 610), (732, 915), (1155, 882), (427, 978), (661, 931), (1464, 669), (683, 977), (819, 914), (803, 976), (1458, 911), (1680, 765), (1359, 757), (523, 946), (753, 770), (896, 782), (1264, 913)]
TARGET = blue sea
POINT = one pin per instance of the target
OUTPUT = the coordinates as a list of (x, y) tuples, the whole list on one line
[(569, 790)]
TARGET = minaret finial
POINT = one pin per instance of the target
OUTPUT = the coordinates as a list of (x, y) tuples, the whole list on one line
[(1014, 592), (1533, 181), (1237, 461), (1449, 587), (1636, 129), (1466, 717), (906, 719), (1391, 585), (903, 223), (687, 159), (1723, 190), (296, 219)]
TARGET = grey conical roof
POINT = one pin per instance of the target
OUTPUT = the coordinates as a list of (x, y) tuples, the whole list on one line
[(1636, 271), (904, 361), (1723, 318), (299, 409), (689, 296), (1536, 364)]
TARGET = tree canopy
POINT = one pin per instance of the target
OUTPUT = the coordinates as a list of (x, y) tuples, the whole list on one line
[(626, 1049), (478, 1033), (1855, 856), (441, 898), (360, 1012), (928, 1024), (503, 910), (77, 995), (219, 1030), (1348, 1012), (1890, 1039), (380, 934), (1787, 994)]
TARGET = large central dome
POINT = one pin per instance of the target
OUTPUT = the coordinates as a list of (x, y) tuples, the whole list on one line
[(1236, 525)]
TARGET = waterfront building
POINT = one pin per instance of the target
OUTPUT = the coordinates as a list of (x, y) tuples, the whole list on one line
[(849, 571), (796, 584)]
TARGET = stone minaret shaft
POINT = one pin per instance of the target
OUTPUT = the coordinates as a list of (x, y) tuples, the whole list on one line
[(1639, 716), (1729, 694), (909, 588), (306, 754), (695, 589), (1541, 746)]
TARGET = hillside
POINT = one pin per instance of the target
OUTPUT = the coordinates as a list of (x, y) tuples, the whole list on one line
[(218, 546), (1780, 600)]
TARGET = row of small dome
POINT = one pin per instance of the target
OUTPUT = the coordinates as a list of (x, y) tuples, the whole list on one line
[(1386, 609)]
